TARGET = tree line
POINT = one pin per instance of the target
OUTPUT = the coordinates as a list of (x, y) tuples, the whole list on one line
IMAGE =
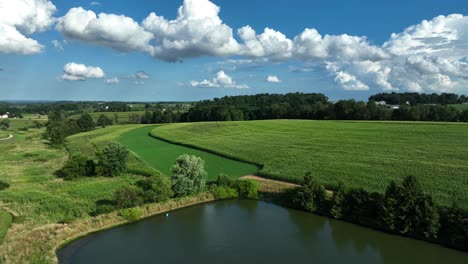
[(420, 98), (317, 106), (403, 209)]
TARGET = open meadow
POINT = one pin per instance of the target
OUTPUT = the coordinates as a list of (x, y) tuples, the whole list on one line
[(361, 154)]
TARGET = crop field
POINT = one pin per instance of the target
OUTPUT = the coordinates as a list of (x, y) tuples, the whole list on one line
[(122, 116), (20, 123), (162, 155), (361, 154)]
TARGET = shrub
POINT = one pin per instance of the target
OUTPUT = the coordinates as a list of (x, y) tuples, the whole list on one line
[(86, 122), (4, 185), (223, 192), (131, 214), (126, 197), (155, 189), (247, 188), (188, 175), (112, 160), (311, 195), (224, 180), (338, 201), (77, 166)]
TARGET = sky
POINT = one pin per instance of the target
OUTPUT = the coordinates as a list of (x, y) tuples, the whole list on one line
[(176, 50)]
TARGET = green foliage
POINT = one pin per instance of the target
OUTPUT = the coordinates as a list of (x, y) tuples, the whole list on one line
[(361, 207), (77, 166), (311, 195), (4, 185), (127, 196), (5, 221), (406, 209), (454, 227), (112, 160), (247, 188), (86, 122), (4, 124), (338, 201), (188, 175), (103, 121), (131, 214), (224, 192), (155, 189), (287, 149)]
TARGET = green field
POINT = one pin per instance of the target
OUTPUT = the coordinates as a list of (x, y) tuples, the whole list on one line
[(5, 222), (162, 155), (4, 134), (361, 154), (122, 116), (460, 106), (20, 123)]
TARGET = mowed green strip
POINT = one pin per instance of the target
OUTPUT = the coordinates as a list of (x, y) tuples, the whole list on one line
[(361, 154), (162, 155), (5, 221)]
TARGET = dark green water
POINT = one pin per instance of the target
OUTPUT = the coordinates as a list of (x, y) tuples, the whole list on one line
[(249, 232)]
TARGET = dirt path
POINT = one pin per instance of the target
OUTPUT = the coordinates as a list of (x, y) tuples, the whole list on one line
[(9, 137), (264, 182)]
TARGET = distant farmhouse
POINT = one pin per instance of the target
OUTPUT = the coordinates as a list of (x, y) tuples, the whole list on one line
[(390, 106), (5, 116)]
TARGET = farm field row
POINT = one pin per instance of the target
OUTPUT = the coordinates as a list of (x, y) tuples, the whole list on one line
[(361, 154), (162, 155)]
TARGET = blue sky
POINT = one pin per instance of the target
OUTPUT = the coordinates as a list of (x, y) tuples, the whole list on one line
[(347, 53)]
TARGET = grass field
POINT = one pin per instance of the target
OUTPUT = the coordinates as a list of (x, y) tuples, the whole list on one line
[(4, 134), (460, 106), (19, 123), (162, 155), (361, 154), (5, 222), (122, 116)]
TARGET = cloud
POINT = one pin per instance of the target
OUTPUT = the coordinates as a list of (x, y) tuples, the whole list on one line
[(57, 45), (94, 4), (21, 18), (115, 31), (273, 79), (80, 72), (197, 31), (140, 75), (113, 81), (222, 80)]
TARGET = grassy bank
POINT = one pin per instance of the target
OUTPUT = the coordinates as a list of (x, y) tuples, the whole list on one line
[(162, 155), (5, 221), (361, 154)]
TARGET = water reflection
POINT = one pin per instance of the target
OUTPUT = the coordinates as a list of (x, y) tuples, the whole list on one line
[(249, 232)]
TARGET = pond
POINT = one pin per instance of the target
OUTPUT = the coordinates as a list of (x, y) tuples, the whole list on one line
[(248, 231)]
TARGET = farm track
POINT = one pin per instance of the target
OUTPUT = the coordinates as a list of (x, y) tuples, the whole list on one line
[(9, 137)]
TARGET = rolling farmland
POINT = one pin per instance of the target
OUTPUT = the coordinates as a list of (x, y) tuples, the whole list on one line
[(361, 154)]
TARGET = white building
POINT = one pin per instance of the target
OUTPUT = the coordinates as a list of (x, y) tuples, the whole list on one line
[(4, 116)]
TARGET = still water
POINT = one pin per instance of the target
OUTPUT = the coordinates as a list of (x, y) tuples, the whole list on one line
[(248, 231)]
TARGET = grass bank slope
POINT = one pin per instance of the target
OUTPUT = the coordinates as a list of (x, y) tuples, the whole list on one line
[(361, 154), (162, 155)]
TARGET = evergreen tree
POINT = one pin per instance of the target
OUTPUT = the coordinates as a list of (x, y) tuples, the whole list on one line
[(338, 201), (389, 207), (311, 195)]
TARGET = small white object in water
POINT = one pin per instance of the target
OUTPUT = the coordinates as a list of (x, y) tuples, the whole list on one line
[(167, 214)]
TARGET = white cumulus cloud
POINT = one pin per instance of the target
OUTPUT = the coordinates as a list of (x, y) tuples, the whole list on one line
[(115, 31), (273, 79), (21, 18), (222, 80), (80, 72)]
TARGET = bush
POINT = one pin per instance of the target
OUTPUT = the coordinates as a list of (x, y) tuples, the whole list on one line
[(223, 192), (338, 201), (311, 195), (3, 185), (77, 166), (247, 188), (224, 180), (131, 214), (155, 189), (112, 160), (126, 197), (188, 175)]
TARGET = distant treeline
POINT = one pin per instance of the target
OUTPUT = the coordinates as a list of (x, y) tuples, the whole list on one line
[(420, 98), (317, 106)]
